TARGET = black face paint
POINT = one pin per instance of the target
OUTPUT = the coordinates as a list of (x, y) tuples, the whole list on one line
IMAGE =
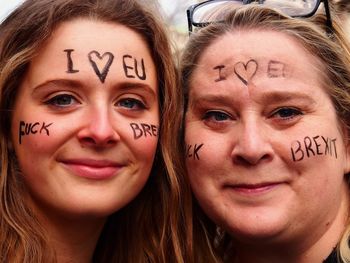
[(312, 146), (276, 69), (107, 58), (143, 129), (133, 71), (221, 76), (246, 71), (70, 68), (192, 151), (32, 128)]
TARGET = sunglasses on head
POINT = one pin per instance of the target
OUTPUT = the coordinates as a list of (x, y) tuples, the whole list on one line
[(197, 14)]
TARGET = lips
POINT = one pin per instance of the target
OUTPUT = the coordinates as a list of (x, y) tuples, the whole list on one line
[(92, 169), (255, 189)]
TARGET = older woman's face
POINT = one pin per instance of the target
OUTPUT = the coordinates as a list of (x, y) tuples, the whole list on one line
[(266, 155), (86, 119)]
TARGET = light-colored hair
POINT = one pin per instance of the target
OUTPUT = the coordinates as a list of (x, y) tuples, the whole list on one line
[(152, 227), (212, 244)]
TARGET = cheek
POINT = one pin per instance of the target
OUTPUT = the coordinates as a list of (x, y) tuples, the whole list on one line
[(142, 139), (34, 138), (206, 158)]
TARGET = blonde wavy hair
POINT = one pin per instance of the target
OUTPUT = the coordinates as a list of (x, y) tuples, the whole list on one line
[(212, 244), (152, 227)]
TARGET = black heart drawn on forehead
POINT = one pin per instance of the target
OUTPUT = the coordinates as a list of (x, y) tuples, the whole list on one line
[(246, 71), (97, 61)]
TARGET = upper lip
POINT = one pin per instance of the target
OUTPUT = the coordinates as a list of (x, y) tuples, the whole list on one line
[(92, 162)]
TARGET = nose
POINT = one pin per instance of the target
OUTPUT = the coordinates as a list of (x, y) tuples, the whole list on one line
[(98, 131), (252, 145)]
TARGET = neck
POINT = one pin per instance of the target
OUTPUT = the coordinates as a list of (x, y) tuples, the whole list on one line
[(308, 247), (73, 239)]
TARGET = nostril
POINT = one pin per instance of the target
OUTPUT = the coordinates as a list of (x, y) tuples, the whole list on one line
[(242, 161), (246, 160), (88, 140)]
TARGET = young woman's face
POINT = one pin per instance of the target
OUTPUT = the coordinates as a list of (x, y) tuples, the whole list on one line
[(266, 155), (85, 124)]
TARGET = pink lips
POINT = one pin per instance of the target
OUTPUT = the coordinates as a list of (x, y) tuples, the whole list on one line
[(255, 189), (92, 169)]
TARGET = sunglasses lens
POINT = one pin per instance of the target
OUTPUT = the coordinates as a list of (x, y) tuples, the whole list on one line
[(293, 7), (206, 13)]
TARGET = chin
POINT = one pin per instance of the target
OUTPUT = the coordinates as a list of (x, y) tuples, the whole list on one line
[(255, 228)]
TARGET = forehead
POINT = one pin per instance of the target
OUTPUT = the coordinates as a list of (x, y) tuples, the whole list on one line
[(84, 35), (87, 33), (79, 43), (266, 48)]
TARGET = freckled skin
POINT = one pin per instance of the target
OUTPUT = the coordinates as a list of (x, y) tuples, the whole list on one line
[(90, 121), (246, 180)]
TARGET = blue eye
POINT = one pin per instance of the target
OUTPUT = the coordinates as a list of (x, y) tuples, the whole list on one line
[(131, 103), (62, 100), (217, 116), (287, 113)]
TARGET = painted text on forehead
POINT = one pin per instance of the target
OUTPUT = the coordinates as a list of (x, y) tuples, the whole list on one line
[(101, 63), (246, 57), (246, 70)]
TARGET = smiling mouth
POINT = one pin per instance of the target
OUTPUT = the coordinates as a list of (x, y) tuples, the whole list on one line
[(93, 169)]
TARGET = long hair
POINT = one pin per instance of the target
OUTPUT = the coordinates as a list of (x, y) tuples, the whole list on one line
[(331, 49), (152, 227)]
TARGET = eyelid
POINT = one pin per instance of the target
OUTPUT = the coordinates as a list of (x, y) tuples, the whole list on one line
[(136, 97), (135, 105), (49, 101), (61, 93), (292, 115)]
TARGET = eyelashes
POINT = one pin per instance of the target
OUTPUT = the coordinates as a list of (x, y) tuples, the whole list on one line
[(282, 116), (62, 101), (131, 103), (286, 113), (67, 101)]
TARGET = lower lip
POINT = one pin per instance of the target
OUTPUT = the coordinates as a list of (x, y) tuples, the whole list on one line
[(255, 190), (90, 172)]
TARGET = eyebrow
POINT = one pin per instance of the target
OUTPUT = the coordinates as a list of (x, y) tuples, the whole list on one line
[(128, 86), (210, 98), (267, 98), (285, 96), (58, 83), (125, 86)]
